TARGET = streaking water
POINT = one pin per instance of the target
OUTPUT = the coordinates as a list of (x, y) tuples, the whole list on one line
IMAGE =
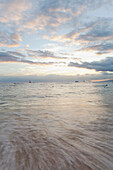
[(56, 126)]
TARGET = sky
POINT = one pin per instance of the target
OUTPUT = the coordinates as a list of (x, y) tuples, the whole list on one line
[(56, 40)]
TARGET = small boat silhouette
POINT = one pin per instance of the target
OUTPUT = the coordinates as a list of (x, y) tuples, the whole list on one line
[(105, 85)]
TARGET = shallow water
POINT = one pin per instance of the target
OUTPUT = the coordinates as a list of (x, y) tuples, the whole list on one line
[(56, 126)]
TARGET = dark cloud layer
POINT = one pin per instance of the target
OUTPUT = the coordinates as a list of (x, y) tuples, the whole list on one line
[(7, 57), (102, 48), (103, 65)]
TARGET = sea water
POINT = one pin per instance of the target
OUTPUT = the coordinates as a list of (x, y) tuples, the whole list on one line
[(56, 126)]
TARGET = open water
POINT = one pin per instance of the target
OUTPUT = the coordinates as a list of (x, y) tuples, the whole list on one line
[(56, 126)]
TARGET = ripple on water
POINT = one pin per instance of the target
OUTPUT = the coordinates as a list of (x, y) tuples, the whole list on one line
[(60, 128), (33, 145)]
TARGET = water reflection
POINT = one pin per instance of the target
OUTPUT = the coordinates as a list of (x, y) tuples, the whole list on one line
[(69, 128)]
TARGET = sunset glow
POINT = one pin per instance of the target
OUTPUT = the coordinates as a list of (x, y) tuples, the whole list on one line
[(56, 38)]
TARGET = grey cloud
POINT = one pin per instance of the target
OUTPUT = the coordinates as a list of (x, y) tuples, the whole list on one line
[(100, 30), (102, 48), (7, 57), (103, 65), (54, 4), (40, 53), (53, 13), (11, 56), (9, 39), (90, 34), (18, 54), (48, 54), (98, 37), (43, 54)]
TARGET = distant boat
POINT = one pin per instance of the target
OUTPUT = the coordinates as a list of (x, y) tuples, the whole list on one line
[(29, 81), (76, 81), (105, 85)]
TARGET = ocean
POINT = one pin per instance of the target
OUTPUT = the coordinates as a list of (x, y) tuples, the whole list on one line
[(56, 126)]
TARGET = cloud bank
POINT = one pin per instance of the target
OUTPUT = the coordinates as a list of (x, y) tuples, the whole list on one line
[(16, 57), (102, 65)]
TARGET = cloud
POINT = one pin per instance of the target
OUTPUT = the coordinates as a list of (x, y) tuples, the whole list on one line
[(98, 38), (8, 39), (12, 16), (69, 37), (6, 57), (62, 21), (13, 10), (46, 54), (103, 65), (46, 14), (102, 48), (27, 45), (49, 20), (85, 33), (43, 54), (52, 13), (100, 30), (24, 16), (16, 53), (15, 57)]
